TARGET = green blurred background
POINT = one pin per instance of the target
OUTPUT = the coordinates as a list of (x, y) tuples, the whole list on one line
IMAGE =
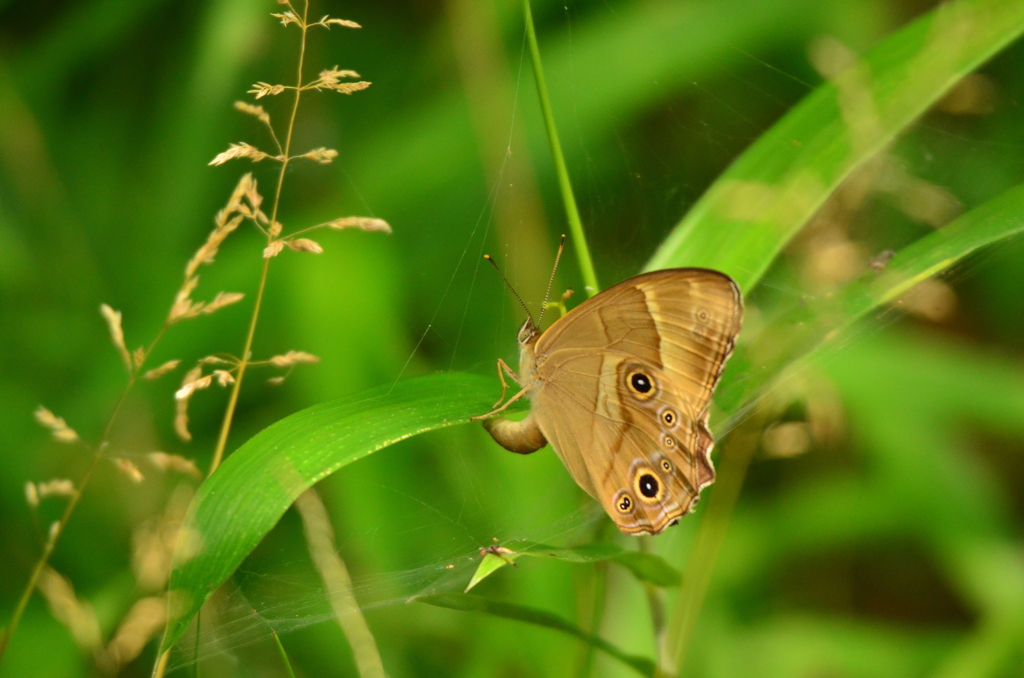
[(879, 532)]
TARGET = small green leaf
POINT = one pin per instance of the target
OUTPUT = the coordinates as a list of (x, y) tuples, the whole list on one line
[(644, 566), (489, 564), (530, 615)]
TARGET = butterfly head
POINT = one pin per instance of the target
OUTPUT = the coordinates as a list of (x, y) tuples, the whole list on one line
[(527, 332)]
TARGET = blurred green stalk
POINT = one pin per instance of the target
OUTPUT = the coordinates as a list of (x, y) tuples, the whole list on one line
[(706, 546), (572, 214), (284, 655)]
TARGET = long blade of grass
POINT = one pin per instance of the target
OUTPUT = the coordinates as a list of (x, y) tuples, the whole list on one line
[(810, 328), (530, 615), (240, 503), (816, 323), (774, 188)]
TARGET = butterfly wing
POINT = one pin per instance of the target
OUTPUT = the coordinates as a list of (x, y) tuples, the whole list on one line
[(623, 387)]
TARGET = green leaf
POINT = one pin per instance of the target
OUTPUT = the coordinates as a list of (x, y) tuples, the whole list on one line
[(774, 188), (240, 503), (530, 615), (816, 323), (490, 564), (644, 566)]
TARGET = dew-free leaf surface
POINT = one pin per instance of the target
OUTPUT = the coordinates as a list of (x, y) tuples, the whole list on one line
[(240, 503)]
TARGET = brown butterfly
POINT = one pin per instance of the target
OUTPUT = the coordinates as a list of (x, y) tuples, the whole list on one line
[(620, 387)]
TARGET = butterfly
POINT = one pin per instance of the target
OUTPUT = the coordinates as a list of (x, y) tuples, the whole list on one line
[(620, 387)]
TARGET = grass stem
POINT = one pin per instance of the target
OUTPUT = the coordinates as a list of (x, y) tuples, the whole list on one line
[(58, 530), (572, 214), (229, 412), (284, 655), (161, 664), (324, 552), (737, 453)]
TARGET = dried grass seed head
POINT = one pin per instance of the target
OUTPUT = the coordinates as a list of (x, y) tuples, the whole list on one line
[(304, 245), (186, 391), (327, 22), (286, 18), (242, 150), (293, 358), (263, 89), (331, 76), (174, 462), (217, 360), (221, 300), (224, 225), (143, 621), (113, 319), (348, 87), (181, 402), (321, 155), (129, 469), (224, 378), (256, 111), (273, 249), (58, 487), (76, 615), (160, 371), (60, 430), (31, 495), (364, 223)]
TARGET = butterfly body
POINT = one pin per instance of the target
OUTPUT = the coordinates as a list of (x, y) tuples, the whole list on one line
[(620, 387)]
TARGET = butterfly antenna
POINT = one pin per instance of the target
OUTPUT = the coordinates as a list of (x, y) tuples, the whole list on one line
[(511, 289), (551, 280)]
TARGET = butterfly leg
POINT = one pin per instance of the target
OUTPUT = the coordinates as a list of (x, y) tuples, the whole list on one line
[(503, 367), (503, 407)]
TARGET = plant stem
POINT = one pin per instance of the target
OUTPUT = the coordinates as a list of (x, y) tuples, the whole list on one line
[(51, 542), (324, 552), (706, 546), (654, 598), (572, 214), (195, 649), (161, 664), (284, 655), (596, 600), (229, 412)]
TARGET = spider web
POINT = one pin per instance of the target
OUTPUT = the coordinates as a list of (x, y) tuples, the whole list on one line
[(258, 604)]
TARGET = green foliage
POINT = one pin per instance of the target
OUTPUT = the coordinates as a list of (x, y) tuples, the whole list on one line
[(886, 543), (770, 192)]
